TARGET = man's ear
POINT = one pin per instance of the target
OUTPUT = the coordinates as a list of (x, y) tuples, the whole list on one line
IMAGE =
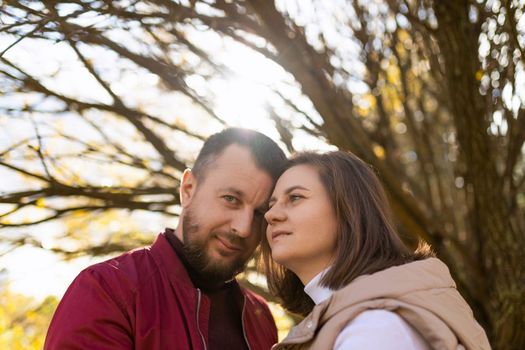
[(188, 187)]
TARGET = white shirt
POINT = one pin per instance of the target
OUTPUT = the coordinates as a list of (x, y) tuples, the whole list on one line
[(372, 329)]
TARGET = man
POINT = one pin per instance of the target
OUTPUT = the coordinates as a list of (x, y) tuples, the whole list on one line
[(180, 293)]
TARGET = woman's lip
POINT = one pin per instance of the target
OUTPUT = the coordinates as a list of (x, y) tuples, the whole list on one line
[(276, 234)]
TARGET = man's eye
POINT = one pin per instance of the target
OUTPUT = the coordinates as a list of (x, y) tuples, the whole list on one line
[(230, 199)]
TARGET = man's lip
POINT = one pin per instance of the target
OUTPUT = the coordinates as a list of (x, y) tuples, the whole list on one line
[(228, 244), (278, 233)]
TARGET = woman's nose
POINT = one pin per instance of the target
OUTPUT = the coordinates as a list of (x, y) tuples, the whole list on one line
[(274, 214)]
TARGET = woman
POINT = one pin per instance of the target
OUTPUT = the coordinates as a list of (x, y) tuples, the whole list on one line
[(338, 258)]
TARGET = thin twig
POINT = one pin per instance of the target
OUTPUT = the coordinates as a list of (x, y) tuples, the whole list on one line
[(26, 35)]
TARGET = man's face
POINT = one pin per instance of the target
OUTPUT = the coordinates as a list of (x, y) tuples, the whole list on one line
[(222, 215)]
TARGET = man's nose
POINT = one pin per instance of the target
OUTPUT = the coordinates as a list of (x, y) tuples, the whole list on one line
[(242, 223)]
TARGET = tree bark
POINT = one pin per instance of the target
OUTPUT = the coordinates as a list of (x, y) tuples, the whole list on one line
[(501, 256)]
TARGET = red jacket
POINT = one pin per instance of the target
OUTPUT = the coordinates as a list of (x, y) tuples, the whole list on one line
[(144, 299)]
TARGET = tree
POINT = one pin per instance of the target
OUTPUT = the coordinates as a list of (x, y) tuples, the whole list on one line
[(427, 92), (23, 322)]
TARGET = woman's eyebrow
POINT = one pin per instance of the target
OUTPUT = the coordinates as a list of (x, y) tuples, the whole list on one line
[(288, 190)]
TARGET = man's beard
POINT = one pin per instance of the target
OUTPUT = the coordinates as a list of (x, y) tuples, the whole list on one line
[(196, 251)]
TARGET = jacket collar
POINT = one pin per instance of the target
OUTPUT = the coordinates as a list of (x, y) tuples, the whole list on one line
[(169, 262), (393, 282)]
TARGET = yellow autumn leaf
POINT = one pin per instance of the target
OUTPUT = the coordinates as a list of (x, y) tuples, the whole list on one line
[(479, 75), (379, 151)]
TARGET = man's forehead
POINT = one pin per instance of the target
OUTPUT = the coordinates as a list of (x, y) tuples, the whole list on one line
[(237, 176), (236, 168), (235, 154), (244, 186), (237, 162)]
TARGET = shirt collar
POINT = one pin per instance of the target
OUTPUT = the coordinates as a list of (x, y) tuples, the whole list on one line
[(315, 290)]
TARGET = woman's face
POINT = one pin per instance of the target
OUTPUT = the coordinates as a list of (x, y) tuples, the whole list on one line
[(302, 225)]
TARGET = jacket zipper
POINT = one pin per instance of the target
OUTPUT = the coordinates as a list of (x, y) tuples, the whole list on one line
[(198, 312), (242, 322)]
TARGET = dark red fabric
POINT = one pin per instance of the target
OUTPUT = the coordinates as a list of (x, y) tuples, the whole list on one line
[(225, 319), (144, 299), (226, 303)]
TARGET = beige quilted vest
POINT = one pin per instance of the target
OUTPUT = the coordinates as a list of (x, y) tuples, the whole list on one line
[(422, 293)]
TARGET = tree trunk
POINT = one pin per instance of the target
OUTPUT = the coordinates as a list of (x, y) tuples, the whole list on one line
[(501, 254)]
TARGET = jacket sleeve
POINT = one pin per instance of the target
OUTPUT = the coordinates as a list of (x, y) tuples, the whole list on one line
[(91, 315)]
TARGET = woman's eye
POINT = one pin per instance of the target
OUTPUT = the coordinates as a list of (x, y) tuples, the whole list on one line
[(295, 197)]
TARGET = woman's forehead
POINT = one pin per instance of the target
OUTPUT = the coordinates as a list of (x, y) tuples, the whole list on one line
[(302, 174)]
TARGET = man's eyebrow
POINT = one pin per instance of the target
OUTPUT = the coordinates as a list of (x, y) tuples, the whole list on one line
[(240, 194), (233, 190), (288, 190)]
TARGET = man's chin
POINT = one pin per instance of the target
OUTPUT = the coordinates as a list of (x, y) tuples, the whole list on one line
[(218, 270)]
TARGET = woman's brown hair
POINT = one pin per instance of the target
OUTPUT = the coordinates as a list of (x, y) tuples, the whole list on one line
[(367, 240)]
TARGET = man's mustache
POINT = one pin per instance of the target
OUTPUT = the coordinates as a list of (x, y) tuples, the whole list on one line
[(231, 237)]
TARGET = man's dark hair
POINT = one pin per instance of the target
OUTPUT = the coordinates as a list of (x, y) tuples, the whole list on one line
[(266, 153)]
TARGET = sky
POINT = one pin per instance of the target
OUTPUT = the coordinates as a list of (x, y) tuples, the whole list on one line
[(242, 100)]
